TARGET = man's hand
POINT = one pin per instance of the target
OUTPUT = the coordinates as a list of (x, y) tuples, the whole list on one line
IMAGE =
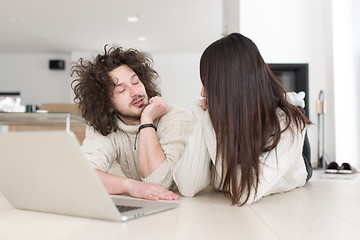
[(150, 153), (156, 108), (149, 191), (120, 185)]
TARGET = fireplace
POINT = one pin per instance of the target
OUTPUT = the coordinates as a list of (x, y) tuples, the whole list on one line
[(294, 77)]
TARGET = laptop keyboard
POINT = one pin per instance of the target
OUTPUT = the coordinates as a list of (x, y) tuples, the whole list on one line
[(123, 208)]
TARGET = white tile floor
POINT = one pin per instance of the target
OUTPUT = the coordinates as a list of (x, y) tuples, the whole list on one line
[(328, 207)]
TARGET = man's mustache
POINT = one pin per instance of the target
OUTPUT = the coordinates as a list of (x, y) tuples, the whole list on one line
[(137, 98)]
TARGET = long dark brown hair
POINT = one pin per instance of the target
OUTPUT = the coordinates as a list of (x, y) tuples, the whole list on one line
[(94, 87), (243, 98)]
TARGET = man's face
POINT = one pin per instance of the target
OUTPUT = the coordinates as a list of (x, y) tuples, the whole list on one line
[(129, 96)]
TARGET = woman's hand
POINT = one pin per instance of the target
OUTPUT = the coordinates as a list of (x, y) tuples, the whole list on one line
[(203, 100), (203, 103)]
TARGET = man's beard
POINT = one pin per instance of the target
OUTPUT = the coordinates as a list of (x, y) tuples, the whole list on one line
[(129, 116), (133, 116)]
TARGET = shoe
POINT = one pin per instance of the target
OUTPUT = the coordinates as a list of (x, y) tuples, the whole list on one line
[(346, 168), (333, 167)]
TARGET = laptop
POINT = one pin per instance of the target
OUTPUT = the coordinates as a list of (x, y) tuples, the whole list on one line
[(46, 171)]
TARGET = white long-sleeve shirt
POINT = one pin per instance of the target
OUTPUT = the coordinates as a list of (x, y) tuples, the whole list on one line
[(282, 169), (101, 151)]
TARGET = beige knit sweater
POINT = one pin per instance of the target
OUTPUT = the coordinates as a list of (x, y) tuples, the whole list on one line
[(282, 169), (101, 151)]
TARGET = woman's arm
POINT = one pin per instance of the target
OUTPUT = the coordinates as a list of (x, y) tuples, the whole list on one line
[(192, 172)]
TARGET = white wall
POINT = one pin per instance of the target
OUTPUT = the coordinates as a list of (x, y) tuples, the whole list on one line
[(180, 77), (297, 31), (30, 74), (346, 35)]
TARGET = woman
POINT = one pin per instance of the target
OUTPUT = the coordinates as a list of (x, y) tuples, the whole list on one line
[(246, 140)]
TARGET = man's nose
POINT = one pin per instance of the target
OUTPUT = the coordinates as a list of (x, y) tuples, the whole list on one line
[(133, 91)]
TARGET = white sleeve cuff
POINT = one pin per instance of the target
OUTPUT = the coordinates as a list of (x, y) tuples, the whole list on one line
[(162, 175)]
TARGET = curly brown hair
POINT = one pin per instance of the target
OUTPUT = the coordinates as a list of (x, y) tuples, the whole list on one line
[(94, 87)]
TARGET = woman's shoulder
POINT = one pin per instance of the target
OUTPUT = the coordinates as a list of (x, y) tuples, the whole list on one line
[(287, 121)]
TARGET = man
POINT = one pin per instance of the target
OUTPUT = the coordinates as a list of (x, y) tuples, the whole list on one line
[(129, 123)]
